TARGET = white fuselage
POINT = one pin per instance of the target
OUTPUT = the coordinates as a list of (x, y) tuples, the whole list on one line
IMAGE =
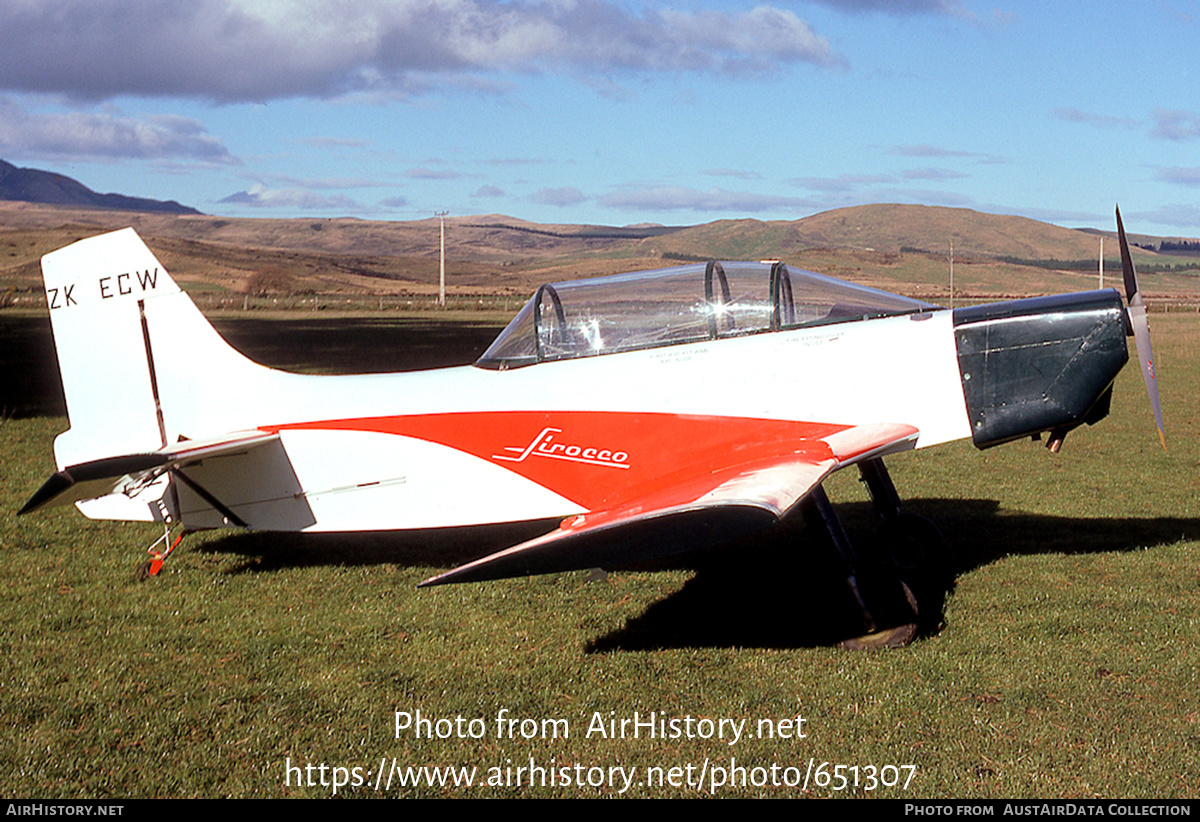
[(894, 370)]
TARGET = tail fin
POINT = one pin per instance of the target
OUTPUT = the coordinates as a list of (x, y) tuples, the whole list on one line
[(97, 291), (137, 358)]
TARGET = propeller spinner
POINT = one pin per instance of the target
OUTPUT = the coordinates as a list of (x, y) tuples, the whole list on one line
[(1141, 328)]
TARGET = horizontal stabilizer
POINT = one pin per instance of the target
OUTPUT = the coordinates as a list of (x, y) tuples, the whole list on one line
[(690, 514), (129, 472)]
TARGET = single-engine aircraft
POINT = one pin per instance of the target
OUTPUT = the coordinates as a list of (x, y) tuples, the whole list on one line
[(654, 412)]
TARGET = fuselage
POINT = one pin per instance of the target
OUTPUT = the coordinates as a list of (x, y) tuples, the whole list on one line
[(468, 445), (599, 394)]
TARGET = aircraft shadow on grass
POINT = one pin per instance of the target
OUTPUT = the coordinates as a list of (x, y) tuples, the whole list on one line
[(779, 589)]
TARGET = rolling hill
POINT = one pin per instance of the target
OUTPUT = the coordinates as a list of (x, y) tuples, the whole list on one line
[(31, 185), (899, 247)]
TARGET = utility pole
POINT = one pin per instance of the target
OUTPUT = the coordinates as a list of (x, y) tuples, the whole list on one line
[(442, 269), (1102, 262), (952, 273)]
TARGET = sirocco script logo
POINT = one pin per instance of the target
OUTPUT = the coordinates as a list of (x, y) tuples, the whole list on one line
[(545, 445)]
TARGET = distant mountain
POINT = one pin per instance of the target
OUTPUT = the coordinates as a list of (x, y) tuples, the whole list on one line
[(33, 186)]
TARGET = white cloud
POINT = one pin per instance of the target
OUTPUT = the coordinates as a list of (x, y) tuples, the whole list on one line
[(732, 172), (426, 173), (288, 181), (1180, 215), (932, 174), (106, 135), (925, 150), (842, 183), (928, 151), (1176, 125), (259, 196), (1074, 115), (566, 196), (910, 8), (248, 50), (898, 7), (682, 198), (332, 142), (1180, 175)]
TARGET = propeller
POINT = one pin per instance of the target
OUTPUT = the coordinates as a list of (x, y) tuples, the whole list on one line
[(1141, 328)]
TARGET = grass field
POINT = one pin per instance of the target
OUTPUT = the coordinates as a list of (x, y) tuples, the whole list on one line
[(1067, 665)]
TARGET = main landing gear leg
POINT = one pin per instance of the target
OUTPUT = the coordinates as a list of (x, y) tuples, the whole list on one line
[(889, 610), (911, 544)]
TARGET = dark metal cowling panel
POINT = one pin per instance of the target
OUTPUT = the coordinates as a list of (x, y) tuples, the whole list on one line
[(1040, 364)]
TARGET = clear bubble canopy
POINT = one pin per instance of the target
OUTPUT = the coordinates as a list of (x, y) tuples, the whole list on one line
[(684, 304)]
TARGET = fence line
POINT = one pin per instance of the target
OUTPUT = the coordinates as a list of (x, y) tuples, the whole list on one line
[(502, 303)]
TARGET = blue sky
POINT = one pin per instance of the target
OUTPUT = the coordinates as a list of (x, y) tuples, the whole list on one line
[(599, 111)]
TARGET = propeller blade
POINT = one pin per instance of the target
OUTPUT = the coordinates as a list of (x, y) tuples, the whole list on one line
[(1141, 329)]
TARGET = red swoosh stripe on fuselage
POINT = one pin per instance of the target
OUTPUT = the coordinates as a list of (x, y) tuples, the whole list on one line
[(599, 459)]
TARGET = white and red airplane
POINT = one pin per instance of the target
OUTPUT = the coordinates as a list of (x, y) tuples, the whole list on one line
[(653, 412)]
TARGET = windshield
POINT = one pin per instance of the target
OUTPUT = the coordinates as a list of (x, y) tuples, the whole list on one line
[(691, 303)]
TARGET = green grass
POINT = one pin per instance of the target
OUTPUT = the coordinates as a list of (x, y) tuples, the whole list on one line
[(1066, 667)]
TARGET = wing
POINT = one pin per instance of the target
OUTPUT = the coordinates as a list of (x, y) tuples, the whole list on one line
[(129, 473), (693, 511)]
